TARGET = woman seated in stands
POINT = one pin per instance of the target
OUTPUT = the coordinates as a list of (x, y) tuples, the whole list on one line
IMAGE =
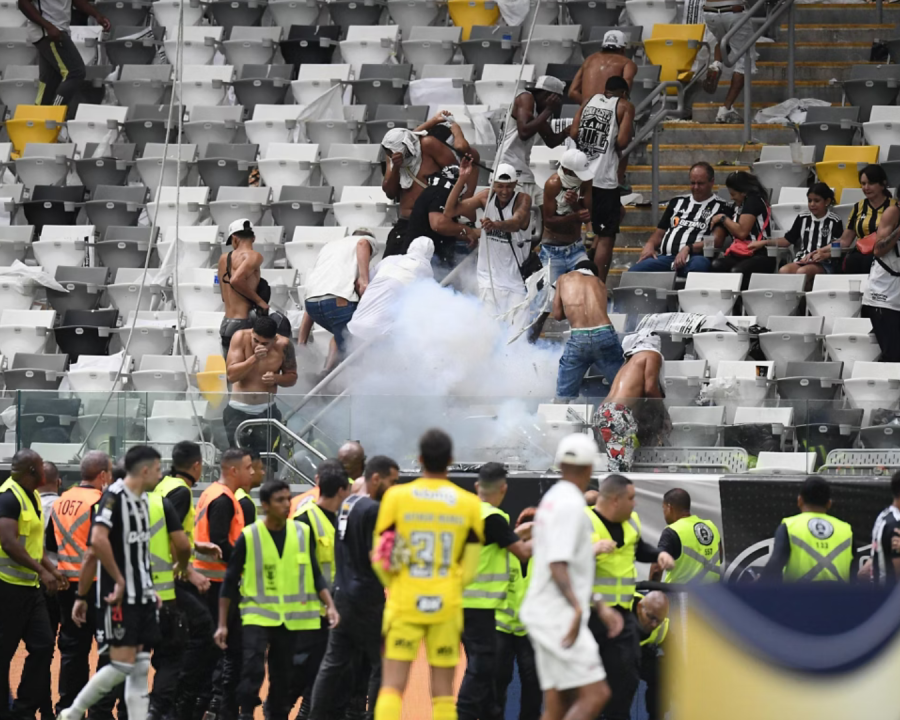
[(749, 225), (813, 231)]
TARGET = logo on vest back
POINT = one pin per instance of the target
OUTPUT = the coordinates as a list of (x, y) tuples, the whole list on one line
[(703, 534), (820, 528), (429, 603)]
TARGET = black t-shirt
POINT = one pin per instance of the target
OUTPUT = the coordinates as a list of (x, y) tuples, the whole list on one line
[(643, 551), (670, 542), (248, 507), (9, 504), (432, 199), (497, 531), (180, 500), (355, 582)]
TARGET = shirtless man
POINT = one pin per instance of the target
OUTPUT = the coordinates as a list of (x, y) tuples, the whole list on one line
[(633, 409), (242, 287), (412, 156), (581, 298), (567, 204), (258, 363)]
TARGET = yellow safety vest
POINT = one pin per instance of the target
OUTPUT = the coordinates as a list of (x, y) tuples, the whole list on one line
[(240, 494), (31, 536), (279, 590), (489, 588), (615, 575), (165, 488), (699, 561), (507, 617), (323, 531), (160, 550), (659, 634), (821, 548)]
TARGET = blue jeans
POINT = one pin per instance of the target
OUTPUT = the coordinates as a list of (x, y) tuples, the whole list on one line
[(332, 317), (562, 258), (663, 263), (598, 346)]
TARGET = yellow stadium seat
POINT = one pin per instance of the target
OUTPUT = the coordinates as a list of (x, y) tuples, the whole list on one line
[(674, 48), (212, 381), (35, 124), (841, 164), (466, 13)]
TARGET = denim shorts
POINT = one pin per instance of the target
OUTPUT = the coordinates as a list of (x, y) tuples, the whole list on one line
[(562, 258), (332, 316), (586, 348)]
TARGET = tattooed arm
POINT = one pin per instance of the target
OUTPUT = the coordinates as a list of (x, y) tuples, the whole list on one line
[(288, 375), (887, 234)]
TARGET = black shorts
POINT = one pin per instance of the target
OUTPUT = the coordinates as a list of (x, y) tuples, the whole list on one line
[(127, 626), (397, 242), (606, 211)]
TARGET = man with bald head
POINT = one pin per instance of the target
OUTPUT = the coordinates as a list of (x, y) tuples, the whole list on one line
[(652, 614), (353, 457), (23, 568)]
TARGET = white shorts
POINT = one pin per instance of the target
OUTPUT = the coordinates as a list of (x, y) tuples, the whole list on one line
[(562, 668), (720, 23)]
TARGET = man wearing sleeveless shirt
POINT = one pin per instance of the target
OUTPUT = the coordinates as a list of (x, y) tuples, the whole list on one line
[(602, 128)]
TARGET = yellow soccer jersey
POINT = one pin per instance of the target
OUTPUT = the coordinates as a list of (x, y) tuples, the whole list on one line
[(433, 520)]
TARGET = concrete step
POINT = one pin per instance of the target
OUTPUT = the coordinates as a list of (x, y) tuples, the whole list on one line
[(824, 71), (713, 134), (725, 156), (815, 52), (640, 216), (775, 91), (840, 33), (668, 175), (844, 13), (706, 112), (668, 191)]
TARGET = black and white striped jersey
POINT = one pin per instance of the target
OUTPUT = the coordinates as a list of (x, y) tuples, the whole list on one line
[(127, 517), (809, 233), (881, 553), (686, 220)]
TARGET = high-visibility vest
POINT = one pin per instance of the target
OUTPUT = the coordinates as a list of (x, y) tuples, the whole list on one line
[(699, 560), (160, 550), (323, 532), (302, 498), (659, 634), (165, 488), (241, 494), (488, 590), (71, 517), (615, 574), (279, 590), (205, 565), (31, 537), (507, 617), (821, 548)]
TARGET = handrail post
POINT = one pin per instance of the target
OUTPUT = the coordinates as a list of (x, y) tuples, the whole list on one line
[(654, 175), (879, 4), (792, 51), (748, 101)]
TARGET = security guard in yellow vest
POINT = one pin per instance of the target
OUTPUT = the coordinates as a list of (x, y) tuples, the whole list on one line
[(513, 647), (651, 611), (276, 577), (319, 514), (23, 568), (485, 595), (242, 494), (693, 543), (812, 546), (617, 545)]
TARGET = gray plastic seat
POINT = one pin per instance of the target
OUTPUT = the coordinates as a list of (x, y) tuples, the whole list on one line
[(387, 117), (645, 81), (892, 165), (487, 153), (227, 165), (594, 42), (804, 382), (381, 84), (132, 52), (828, 428), (209, 124), (149, 124), (121, 14), (42, 371), (829, 126), (125, 247), (643, 293), (111, 169), (301, 206), (565, 72), (880, 437), (19, 85), (262, 85), (93, 87), (113, 205), (85, 286), (871, 85), (236, 13), (588, 13), (696, 426), (142, 84), (355, 12), (488, 45)]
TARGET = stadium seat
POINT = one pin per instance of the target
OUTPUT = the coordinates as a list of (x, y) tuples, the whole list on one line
[(272, 124), (84, 287), (717, 346), (829, 428), (387, 117), (16, 48), (85, 332), (142, 84), (34, 124), (234, 203), (123, 48), (313, 44), (17, 293), (201, 333), (281, 282), (749, 381), (188, 208), (594, 38), (19, 85), (488, 155), (10, 15), (124, 247), (684, 380), (125, 292), (52, 205), (642, 293), (59, 453), (487, 45), (557, 420), (288, 13), (851, 339), (385, 84), (314, 80), (647, 13), (197, 291), (168, 13), (880, 437), (552, 44), (150, 124), (301, 206), (199, 44), (269, 243), (792, 339), (871, 85), (111, 169), (791, 202), (361, 207), (232, 13), (303, 249), (430, 46), (204, 84), (840, 164), (696, 426), (501, 83), (262, 85), (25, 331), (120, 13), (407, 14), (15, 242), (369, 44), (772, 294), (826, 126), (872, 385), (588, 13), (163, 373), (883, 128), (93, 123), (155, 168), (804, 383), (802, 463), (709, 293), (251, 46), (350, 164), (172, 421), (674, 48), (225, 164), (195, 245), (776, 168), (212, 124), (154, 333), (467, 14), (212, 382), (836, 296), (41, 371), (326, 132), (112, 205), (44, 163)]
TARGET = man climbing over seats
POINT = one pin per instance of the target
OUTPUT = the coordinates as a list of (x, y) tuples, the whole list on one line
[(244, 292)]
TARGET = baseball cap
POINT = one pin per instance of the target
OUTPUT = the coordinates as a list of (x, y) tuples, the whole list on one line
[(242, 226), (506, 173), (577, 162), (614, 39), (550, 84), (576, 449)]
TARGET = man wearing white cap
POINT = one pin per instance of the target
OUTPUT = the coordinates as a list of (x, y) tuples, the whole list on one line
[(503, 247), (558, 602), (244, 293), (600, 66)]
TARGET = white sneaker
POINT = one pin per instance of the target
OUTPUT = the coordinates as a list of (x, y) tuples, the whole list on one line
[(732, 116)]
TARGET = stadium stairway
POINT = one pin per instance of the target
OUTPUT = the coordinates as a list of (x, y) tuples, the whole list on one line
[(830, 39)]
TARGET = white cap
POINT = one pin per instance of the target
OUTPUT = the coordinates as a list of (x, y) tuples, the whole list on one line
[(614, 39), (577, 162), (506, 173), (550, 84), (240, 226), (576, 449)]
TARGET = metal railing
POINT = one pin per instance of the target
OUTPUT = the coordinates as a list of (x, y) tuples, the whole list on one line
[(274, 424)]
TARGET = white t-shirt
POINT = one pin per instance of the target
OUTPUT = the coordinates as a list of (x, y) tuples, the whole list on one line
[(884, 289), (336, 269), (562, 533)]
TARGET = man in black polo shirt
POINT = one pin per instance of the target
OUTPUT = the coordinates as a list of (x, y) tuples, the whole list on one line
[(358, 594)]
